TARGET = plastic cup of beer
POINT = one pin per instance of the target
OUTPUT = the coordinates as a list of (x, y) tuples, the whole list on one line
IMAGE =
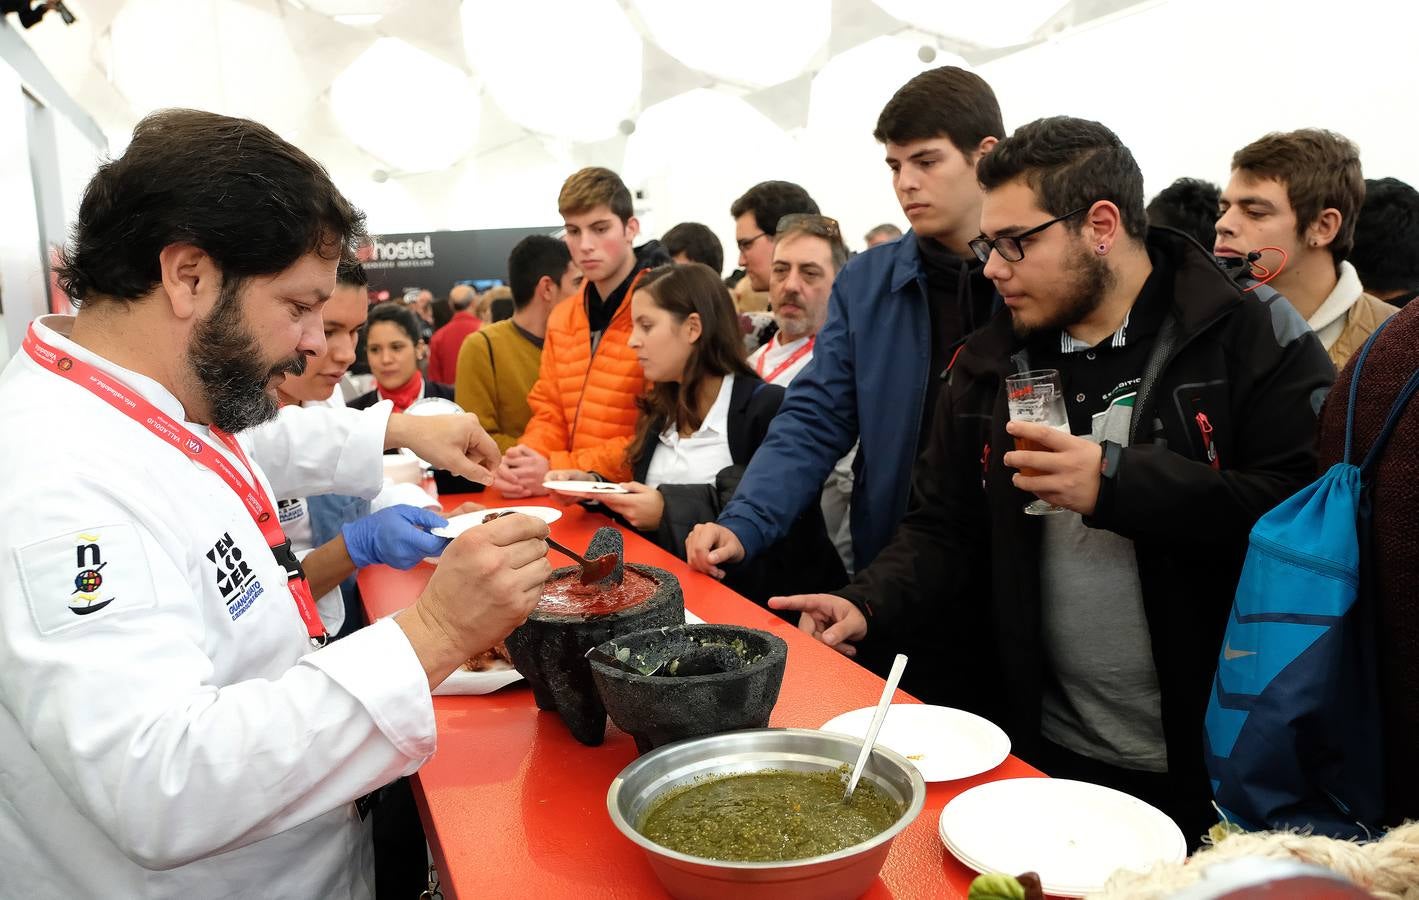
[(1037, 396)]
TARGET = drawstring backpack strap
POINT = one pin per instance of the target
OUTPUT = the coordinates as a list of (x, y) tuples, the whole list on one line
[(1355, 387)]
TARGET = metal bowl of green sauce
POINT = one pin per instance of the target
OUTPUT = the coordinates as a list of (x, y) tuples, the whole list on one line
[(690, 777)]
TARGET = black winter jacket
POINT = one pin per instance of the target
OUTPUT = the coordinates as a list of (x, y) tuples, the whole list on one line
[(968, 553)]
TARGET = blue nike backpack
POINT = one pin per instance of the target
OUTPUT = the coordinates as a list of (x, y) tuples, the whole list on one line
[(1293, 723)]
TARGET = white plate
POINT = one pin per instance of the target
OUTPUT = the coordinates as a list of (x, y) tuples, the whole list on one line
[(584, 487), (944, 744), (463, 681), (459, 524), (1075, 835)]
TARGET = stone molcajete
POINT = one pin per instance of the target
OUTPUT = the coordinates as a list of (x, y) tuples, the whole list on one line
[(549, 649), (667, 684)]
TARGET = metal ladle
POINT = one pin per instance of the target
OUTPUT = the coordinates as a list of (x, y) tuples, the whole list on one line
[(592, 570)]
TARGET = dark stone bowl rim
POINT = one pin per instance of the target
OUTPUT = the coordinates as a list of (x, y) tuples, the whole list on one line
[(578, 618), (770, 658)]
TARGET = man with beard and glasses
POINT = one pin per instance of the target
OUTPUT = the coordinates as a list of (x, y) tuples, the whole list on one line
[(808, 252), (1192, 411), (171, 722)]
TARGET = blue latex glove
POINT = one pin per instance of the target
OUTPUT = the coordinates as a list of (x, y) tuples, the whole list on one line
[(396, 537)]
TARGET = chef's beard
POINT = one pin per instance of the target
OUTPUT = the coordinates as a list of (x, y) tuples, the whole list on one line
[(235, 379)]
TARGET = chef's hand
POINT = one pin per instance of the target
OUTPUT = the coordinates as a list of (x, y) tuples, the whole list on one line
[(1067, 471), (643, 507), (456, 443), (397, 536), (710, 546), (488, 581), (467, 506), (827, 617)]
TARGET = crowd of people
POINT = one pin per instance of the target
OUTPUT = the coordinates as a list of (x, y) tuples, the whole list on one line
[(846, 457)]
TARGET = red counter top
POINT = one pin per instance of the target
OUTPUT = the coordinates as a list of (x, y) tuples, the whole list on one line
[(514, 807)]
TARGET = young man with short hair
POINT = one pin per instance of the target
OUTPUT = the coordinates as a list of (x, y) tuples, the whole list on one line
[(693, 242), (1191, 411), (756, 216), (448, 340), (584, 402), (1386, 254), (498, 365), (1300, 192), (896, 313)]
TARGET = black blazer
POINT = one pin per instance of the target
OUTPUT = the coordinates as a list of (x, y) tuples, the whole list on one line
[(447, 482), (804, 562)]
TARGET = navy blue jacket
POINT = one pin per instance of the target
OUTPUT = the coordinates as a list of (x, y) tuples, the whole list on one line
[(868, 377)]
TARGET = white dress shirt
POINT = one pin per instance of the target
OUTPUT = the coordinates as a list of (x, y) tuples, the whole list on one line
[(698, 458)]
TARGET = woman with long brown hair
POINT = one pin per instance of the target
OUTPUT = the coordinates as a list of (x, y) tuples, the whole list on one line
[(700, 423)]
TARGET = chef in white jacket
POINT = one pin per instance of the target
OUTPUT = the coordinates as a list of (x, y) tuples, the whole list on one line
[(167, 729)]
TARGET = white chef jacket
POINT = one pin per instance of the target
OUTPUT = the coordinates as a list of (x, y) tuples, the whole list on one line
[(179, 738)]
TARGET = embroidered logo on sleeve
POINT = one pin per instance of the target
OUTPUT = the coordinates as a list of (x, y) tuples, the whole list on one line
[(236, 583), (84, 576)]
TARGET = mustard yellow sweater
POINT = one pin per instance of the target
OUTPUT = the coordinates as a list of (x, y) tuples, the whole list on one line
[(497, 366)]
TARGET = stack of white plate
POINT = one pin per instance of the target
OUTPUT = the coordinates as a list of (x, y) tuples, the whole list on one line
[(1074, 835)]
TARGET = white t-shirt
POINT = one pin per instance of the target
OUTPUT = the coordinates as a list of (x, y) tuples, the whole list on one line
[(171, 733), (698, 458)]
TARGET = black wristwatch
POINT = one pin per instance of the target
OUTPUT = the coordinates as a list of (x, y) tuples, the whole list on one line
[(1112, 453)]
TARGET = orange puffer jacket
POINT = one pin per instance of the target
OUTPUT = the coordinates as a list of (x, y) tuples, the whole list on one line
[(584, 403)]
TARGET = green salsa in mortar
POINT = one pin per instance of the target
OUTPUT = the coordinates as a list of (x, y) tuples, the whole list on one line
[(769, 816)]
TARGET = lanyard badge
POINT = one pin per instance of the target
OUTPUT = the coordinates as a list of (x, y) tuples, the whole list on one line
[(129, 402)]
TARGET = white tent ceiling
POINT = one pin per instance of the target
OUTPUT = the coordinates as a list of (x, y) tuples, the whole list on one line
[(377, 88), (446, 114)]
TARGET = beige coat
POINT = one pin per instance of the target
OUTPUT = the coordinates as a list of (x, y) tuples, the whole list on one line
[(1362, 319)]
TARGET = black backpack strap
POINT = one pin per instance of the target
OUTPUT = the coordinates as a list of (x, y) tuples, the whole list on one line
[(1355, 387)]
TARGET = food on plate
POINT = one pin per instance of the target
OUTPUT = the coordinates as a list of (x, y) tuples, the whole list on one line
[(567, 596), (495, 657), (995, 886), (769, 816)]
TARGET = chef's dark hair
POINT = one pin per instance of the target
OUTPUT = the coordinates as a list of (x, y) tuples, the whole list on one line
[(232, 187)]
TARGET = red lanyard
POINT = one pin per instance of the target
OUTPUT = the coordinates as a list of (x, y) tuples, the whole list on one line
[(127, 401), (783, 366)]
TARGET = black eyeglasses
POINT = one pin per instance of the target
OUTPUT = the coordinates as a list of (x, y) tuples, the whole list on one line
[(746, 243), (1009, 246)]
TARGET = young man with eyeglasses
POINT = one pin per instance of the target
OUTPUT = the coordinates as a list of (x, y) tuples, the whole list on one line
[(756, 215), (896, 313), (1094, 632)]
